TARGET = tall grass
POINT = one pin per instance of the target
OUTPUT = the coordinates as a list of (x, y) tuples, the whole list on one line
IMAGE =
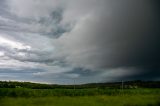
[(125, 100)]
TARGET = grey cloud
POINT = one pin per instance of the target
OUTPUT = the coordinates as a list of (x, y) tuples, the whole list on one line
[(28, 55), (47, 24), (25, 70)]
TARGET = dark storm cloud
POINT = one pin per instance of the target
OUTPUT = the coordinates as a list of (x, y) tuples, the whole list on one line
[(145, 73), (133, 38), (123, 34)]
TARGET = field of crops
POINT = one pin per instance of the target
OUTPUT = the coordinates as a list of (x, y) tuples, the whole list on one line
[(79, 97)]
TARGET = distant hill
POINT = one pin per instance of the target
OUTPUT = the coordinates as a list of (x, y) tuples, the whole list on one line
[(118, 85)]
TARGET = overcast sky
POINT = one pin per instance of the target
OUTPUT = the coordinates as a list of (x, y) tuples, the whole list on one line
[(56, 41)]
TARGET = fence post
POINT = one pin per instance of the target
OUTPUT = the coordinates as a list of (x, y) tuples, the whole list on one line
[(74, 85)]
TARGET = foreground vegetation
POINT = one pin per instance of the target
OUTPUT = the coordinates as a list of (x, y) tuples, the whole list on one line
[(102, 100), (26, 92), (78, 97), (111, 94)]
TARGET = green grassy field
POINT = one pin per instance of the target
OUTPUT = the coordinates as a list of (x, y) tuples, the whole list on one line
[(125, 100), (79, 97)]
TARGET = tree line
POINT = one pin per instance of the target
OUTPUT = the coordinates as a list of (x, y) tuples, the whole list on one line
[(118, 85)]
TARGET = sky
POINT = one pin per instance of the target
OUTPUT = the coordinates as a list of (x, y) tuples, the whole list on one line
[(86, 41)]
